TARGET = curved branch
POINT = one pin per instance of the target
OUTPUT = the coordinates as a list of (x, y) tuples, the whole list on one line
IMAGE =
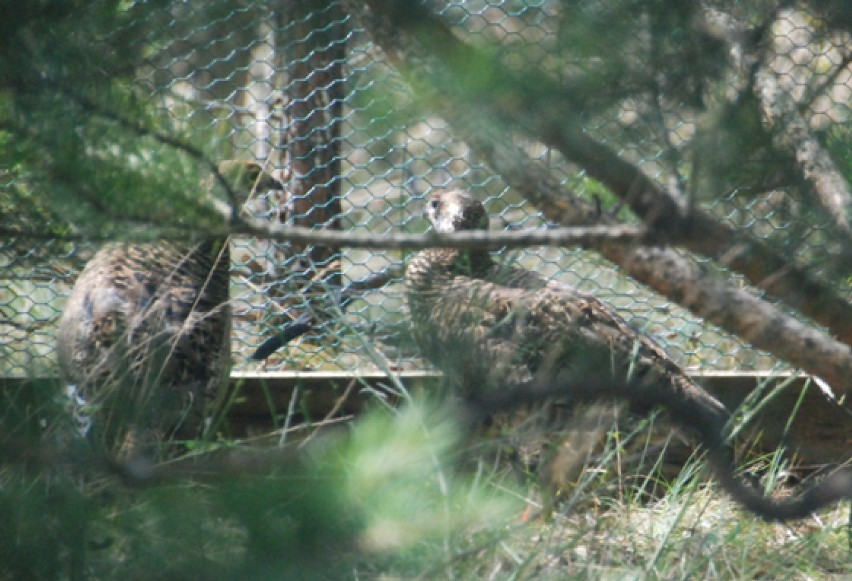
[(692, 419)]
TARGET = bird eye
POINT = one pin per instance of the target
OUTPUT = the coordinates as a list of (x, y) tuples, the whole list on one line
[(435, 203)]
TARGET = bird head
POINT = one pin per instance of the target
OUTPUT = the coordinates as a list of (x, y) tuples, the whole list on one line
[(246, 178), (455, 210)]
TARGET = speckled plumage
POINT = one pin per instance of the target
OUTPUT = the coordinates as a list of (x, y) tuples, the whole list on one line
[(144, 340), (485, 324)]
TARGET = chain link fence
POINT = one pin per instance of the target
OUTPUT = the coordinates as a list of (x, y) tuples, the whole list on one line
[(300, 88)]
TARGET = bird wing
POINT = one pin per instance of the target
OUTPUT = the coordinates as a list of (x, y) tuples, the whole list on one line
[(485, 332), (131, 300)]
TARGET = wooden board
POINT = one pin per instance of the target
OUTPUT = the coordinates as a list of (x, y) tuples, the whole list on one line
[(820, 432)]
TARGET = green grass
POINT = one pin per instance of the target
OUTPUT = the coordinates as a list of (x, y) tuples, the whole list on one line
[(397, 494)]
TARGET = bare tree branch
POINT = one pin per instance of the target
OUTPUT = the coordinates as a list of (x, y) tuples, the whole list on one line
[(492, 240), (783, 114), (792, 132), (736, 310)]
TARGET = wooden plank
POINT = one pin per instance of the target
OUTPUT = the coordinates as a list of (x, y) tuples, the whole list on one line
[(820, 432)]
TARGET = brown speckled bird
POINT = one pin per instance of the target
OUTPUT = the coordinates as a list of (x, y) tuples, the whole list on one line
[(487, 325), (144, 340)]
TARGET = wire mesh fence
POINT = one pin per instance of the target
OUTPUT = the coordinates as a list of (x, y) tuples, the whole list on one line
[(301, 88)]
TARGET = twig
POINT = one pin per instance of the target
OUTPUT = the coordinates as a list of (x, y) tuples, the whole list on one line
[(492, 240), (306, 323), (334, 409)]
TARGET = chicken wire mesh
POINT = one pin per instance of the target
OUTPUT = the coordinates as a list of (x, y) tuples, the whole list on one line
[(301, 88)]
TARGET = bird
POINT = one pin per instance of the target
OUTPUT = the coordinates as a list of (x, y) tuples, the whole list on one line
[(144, 339), (489, 325)]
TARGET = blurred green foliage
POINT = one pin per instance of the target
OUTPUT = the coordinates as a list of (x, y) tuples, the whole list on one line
[(83, 149), (383, 496)]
